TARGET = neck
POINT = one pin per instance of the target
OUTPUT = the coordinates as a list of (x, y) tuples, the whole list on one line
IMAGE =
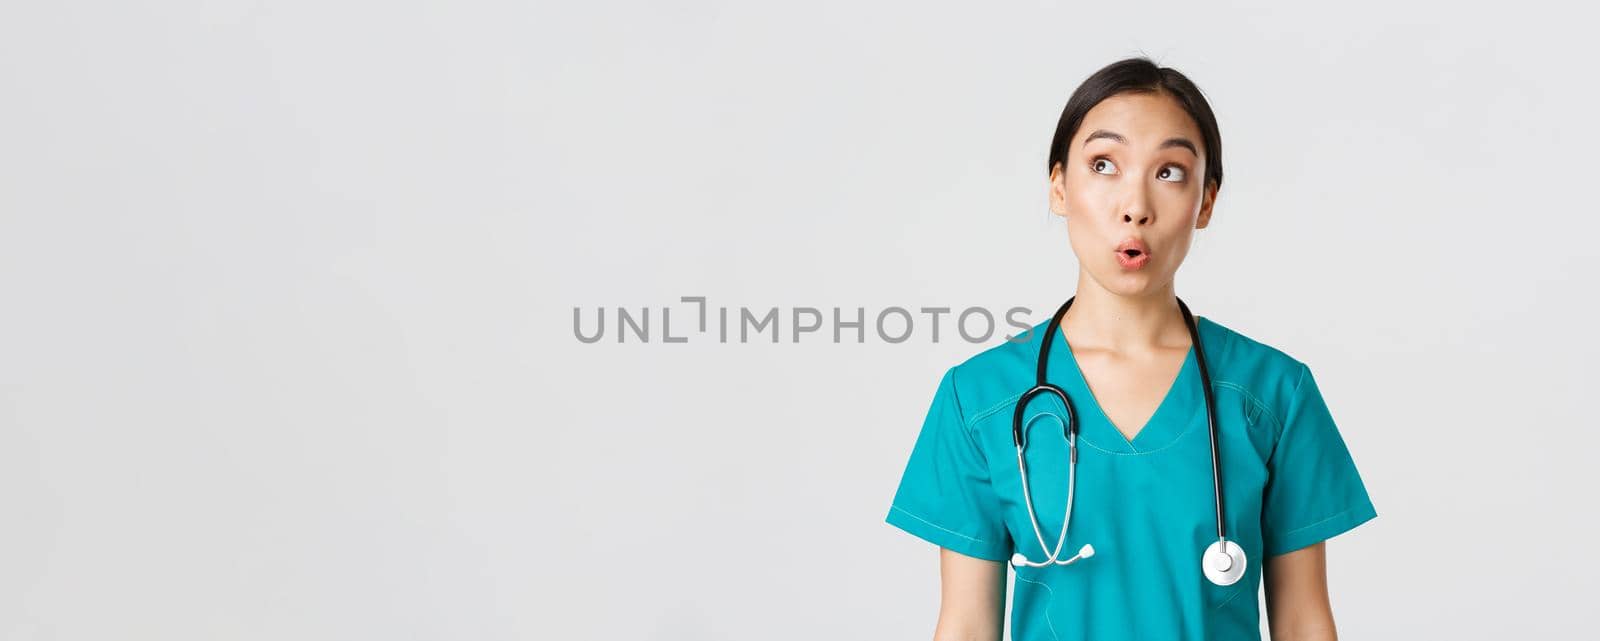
[(1103, 320)]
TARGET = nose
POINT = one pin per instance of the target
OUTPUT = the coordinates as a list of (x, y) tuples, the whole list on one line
[(1136, 209)]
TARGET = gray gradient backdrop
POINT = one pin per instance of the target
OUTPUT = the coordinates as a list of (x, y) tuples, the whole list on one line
[(286, 349)]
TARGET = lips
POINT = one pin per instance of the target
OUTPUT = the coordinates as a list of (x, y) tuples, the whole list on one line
[(1133, 247), (1132, 253)]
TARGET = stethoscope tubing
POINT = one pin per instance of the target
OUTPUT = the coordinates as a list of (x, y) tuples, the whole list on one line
[(1211, 419), (1070, 432)]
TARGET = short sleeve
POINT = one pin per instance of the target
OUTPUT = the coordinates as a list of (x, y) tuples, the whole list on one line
[(944, 495), (1313, 490)]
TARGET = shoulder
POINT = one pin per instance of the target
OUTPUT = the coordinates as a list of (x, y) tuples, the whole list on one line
[(996, 376), (1264, 374), (1235, 354)]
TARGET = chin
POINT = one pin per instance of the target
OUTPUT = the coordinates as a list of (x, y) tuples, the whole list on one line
[(1130, 284)]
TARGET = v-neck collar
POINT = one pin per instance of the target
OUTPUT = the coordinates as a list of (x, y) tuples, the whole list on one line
[(1178, 408)]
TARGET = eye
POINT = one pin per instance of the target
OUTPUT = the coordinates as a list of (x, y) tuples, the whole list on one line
[(1102, 165), (1169, 170)]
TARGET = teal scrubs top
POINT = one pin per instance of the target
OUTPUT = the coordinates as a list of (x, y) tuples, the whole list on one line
[(1144, 504)]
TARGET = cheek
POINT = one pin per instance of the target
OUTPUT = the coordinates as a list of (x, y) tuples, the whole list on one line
[(1179, 199), (1087, 196), (1085, 232)]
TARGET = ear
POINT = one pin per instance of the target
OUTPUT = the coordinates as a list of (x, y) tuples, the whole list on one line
[(1058, 191), (1207, 200)]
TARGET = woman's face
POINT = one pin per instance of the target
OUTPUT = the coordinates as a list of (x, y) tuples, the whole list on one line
[(1133, 191)]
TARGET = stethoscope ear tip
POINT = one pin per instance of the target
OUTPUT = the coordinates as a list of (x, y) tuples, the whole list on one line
[(1018, 560), (1086, 551)]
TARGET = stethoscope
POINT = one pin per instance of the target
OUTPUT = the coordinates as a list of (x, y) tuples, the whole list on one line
[(1223, 562)]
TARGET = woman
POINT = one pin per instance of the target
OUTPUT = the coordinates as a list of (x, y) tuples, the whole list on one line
[(1140, 482)]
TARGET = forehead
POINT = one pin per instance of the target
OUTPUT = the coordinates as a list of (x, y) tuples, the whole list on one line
[(1145, 119)]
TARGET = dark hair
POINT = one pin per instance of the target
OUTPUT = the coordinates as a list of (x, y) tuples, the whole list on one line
[(1138, 75)]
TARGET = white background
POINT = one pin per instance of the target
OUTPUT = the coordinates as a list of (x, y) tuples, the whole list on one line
[(287, 344)]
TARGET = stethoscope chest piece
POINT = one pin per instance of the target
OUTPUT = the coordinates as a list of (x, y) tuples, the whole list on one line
[(1223, 563)]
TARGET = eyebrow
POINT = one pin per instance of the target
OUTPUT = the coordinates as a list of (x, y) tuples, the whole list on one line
[(1177, 141)]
